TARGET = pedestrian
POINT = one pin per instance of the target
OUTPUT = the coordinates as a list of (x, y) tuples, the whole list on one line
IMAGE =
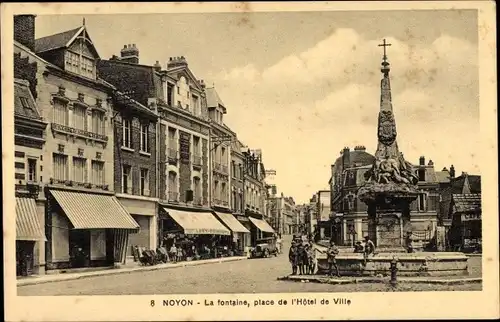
[(369, 248), (331, 254), (173, 253), (180, 253), (311, 259), (409, 242), (301, 258), (293, 257)]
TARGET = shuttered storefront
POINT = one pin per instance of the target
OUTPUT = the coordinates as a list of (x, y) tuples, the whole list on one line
[(141, 238)]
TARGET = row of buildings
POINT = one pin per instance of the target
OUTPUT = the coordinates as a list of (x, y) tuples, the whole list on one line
[(112, 153), (446, 214)]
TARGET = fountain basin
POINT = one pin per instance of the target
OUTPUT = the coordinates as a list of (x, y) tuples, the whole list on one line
[(409, 264)]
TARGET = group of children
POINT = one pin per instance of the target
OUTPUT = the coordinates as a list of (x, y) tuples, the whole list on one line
[(302, 256)]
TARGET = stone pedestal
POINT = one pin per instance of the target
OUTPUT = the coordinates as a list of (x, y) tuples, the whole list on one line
[(390, 235), (388, 227)]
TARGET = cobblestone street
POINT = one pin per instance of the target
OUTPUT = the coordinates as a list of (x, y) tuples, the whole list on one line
[(245, 276)]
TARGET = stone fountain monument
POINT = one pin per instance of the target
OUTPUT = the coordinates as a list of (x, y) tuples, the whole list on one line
[(391, 185), (390, 188)]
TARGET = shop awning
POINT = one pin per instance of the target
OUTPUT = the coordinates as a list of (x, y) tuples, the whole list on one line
[(262, 225), (93, 211), (233, 223), (198, 223), (28, 226)]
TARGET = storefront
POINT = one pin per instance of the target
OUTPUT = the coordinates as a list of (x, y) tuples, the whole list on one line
[(29, 234), (237, 229), (86, 230), (199, 234), (144, 213), (261, 229)]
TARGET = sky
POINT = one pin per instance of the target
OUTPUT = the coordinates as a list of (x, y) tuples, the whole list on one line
[(303, 85)]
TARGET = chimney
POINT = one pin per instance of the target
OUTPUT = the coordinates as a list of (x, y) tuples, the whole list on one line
[(130, 54), (445, 169), (346, 158), (157, 66), (176, 62), (452, 171), (24, 30), (202, 83), (360, 148), (431, 164), (422, 160)]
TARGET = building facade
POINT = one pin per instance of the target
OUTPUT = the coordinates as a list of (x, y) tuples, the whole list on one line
[(77, 155), (135, 175), (29, 139), (237, 192), (350, 222)]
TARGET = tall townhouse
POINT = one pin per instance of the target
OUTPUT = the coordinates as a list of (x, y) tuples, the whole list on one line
[(256, 195), (222, 174), (29, 139), (181, 148), (84, 223), (237, 193), (135, 174)]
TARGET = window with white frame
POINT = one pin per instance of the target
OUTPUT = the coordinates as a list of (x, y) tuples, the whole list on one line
[(60, 113), (127, 179), (32, 170), (127, 133), (196, 105), (60, 167), (173, 194), (80, 117), (197, 190), (79, 64), (223, 191), (144, 182), (421, 201), (98, 122), (145, 138), (79, 169), (97, 172), (196, 146)]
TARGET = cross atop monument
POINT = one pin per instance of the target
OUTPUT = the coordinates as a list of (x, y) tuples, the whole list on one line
[(385, 44)]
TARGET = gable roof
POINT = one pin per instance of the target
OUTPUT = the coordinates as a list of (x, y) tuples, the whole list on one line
[(56, 41), (213, 98), (183, 69), (22, 92), (62, 40)]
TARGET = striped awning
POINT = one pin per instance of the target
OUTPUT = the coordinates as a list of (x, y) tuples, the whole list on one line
[(28, 226), (262, 225), (198, 223), (231, 222), (93, 211)]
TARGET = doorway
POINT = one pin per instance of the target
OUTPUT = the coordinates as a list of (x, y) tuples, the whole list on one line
[(79, 248)]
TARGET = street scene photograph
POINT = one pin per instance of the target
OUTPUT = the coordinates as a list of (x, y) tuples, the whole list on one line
[(247, 152)]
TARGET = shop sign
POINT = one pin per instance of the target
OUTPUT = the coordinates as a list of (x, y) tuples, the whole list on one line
[(469, 217)]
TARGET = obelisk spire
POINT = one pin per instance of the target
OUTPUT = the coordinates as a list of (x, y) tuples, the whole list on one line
[(385, 84)]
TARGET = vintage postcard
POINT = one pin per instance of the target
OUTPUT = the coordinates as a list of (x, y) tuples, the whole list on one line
[(249, 161)]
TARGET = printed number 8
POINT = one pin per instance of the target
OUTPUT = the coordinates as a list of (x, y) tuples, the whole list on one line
[(152, 302)]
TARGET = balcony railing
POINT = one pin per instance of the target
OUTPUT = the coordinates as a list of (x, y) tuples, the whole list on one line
[(217, 201), (198, 201), (223, 168), (173, 196), (217, 166), (77, 132), (197, 160)]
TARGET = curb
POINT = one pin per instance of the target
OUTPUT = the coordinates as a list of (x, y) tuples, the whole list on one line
[(62, 278), (325, 280)]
